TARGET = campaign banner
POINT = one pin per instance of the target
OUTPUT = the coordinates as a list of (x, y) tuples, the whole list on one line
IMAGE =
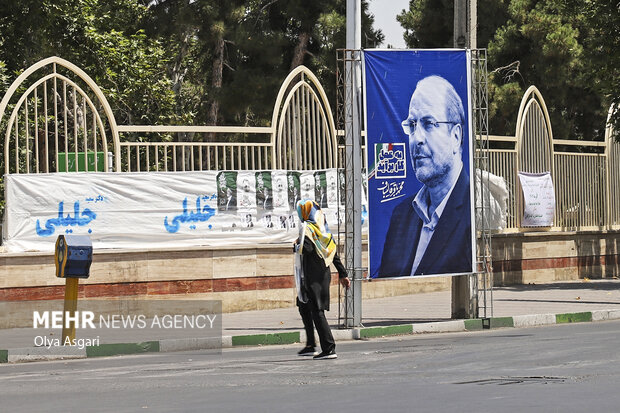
[(420, 145), (164, 209)]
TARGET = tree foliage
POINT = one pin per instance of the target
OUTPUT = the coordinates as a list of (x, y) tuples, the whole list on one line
[(430, 23), (182, 61), (426, 23), (566, 49), (599, 22), (104, 38), (262, 41)]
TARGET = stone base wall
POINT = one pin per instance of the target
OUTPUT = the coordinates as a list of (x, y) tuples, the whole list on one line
[(261, 278), (541, 257)]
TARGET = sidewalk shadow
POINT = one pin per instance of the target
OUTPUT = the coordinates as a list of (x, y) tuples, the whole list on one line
[(384, 321), (278, 329), (612, 260), (577, 285), (590, 263), (529, 300)]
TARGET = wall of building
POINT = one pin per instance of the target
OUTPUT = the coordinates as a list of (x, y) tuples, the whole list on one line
[(261, 278), (542, 257)]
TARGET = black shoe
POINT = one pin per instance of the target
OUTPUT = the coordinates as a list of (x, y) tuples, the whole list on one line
[(325, 355), (306, 351)]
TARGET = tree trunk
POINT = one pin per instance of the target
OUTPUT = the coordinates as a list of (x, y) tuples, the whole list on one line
[(300, 50), (178, 71), (216, 81), (177, 77)]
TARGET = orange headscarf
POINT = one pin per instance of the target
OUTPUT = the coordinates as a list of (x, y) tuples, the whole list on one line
[(316, 229)]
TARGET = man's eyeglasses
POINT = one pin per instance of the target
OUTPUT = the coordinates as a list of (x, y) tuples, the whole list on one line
[(428, 124)]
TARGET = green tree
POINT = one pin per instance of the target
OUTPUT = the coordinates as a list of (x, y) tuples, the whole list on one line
[(329, 35), (427, 23), (551, 44), (224, 59), (182, 61), (101, 37), (541, 44), (599, 25), (219, 20), (174, 23), (430, 23), (262, 43)]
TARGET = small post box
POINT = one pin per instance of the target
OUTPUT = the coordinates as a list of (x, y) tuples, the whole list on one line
[(74, 254)]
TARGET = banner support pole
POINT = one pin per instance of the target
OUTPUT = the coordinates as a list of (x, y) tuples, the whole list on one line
[(353, 215)]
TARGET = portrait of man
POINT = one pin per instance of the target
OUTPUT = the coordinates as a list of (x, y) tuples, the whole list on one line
[(227, 191), (231, 200), (332, 188), (264, 190), (294, 188), (280, 191), (248, 221), (320, 188), (342, 190), (292, 221), (268, 222), (306, 181), (430, 231)]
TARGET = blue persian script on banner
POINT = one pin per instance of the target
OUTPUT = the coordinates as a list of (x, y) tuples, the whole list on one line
[(80, 219)]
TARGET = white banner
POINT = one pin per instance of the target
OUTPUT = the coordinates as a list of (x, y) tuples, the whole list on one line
[(538, 199), (164, 209)]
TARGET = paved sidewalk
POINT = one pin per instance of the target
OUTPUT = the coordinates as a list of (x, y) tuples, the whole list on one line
[(555, 298), (523, 305)]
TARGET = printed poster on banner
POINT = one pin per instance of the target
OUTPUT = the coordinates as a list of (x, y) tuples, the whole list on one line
[(419, 140), (538, 199)]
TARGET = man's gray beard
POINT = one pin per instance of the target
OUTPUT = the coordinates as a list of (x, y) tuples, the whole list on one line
[(435, 178)]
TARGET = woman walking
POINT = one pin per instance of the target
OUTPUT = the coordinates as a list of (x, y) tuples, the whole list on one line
[(317, 251)]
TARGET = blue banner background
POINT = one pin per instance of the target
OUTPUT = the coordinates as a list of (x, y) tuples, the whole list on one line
[(390, 79)]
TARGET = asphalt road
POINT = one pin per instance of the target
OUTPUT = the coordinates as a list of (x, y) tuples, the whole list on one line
[(563, 368)]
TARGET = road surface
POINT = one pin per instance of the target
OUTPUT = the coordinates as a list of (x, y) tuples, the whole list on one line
[(567, 368)]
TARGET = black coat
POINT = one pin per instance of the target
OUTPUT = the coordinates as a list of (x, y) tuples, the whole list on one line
[(317, 275)]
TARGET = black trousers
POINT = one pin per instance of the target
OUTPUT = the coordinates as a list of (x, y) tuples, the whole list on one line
[(311, 314)]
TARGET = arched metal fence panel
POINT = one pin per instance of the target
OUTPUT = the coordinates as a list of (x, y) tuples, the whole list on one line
[(612, 152), (58, 122)]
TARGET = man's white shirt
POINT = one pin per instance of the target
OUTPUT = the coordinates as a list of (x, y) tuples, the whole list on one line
[(421, 204)]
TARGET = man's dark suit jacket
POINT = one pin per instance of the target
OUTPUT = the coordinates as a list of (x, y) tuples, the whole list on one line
[(449, 250)]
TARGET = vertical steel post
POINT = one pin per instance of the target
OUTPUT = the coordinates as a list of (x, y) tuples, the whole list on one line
[(353, 212), (460, 24), (465, 287), (472, 23), (480, 105)]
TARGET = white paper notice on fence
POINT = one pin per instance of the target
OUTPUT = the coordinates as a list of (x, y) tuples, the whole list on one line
[(163, 209), (538, 199)]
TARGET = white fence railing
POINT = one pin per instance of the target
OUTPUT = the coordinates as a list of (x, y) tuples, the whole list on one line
[(64, 123)]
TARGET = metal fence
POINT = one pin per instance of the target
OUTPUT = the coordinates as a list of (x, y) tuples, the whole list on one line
[(612, 154), (58, 120), (586, 175), (61, 122)]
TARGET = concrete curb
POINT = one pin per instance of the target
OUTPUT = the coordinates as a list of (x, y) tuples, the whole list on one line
[(443, 327), (21, 355), (18, 355), (533, 320)]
